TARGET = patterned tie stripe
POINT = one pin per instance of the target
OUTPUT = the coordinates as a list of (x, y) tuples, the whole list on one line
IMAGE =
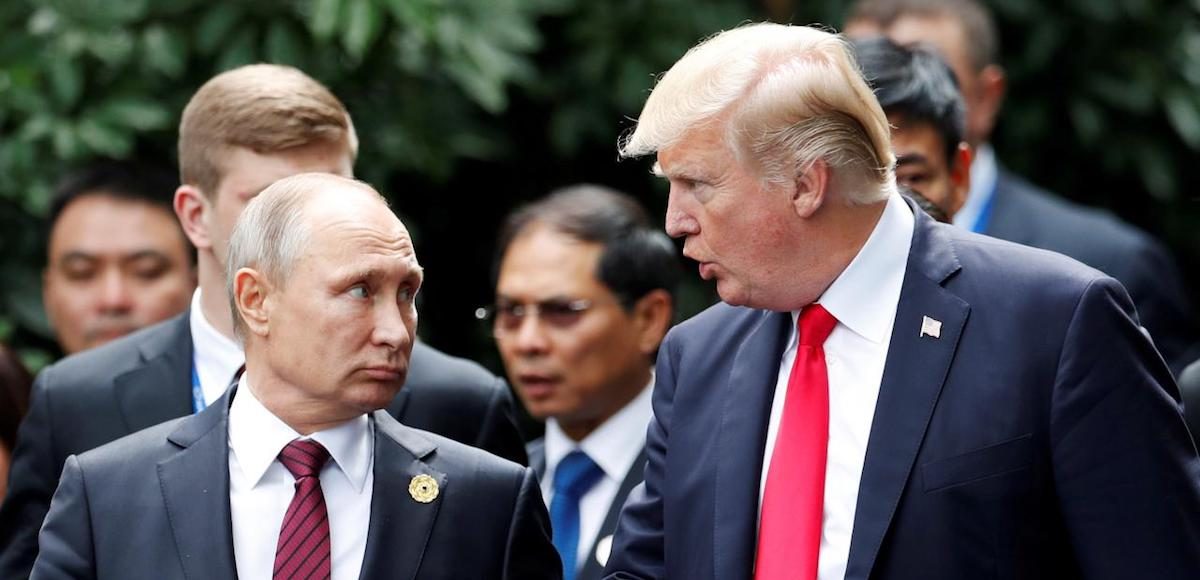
[(303, 551)]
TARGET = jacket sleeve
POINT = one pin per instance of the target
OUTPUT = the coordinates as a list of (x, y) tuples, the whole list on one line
[(530, 554), (499, 434), (638, 546), (31, 482), (66, 538), (1125, 468)]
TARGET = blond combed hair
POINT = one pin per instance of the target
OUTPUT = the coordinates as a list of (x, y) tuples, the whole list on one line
[(787, 96), (263, 107)]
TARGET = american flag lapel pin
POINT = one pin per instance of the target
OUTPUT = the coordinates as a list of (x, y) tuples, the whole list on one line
[(931, 327)]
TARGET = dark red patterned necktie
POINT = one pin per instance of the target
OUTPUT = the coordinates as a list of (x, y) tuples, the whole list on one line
[(303, 550)]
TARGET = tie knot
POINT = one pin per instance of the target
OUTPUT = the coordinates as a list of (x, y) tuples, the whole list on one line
[(303, 457), (815, 324), (576, 474)]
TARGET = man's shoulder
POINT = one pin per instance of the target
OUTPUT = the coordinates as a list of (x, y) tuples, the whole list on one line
[(431, 370), (89, 371), (128, 456), (1086, 233), (445, 454)]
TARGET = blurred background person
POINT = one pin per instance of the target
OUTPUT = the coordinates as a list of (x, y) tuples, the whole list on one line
[(117, 259), (14, 401), (920, 97), (1004, 205), (584, 295)]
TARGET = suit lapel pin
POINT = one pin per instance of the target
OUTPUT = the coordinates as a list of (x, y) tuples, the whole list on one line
[(603, 550), (931, 328), (423, 488)]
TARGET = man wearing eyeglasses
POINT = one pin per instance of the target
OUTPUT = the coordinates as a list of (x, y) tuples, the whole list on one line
[(584, 296)]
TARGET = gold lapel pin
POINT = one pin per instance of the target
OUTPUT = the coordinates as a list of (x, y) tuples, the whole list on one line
[(931, 328), (423, 488)]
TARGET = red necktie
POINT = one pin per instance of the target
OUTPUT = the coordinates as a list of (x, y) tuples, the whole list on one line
[(303, 549), (789, 534)]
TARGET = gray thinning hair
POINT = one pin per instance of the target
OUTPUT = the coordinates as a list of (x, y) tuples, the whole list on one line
[(271, 233)]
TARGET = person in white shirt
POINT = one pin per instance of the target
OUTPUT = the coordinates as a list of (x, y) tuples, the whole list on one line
[(296, 472), (584, 294)]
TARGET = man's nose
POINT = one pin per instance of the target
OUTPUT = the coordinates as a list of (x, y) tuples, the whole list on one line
[(392, 327), (115, 292), (529, 337), (679, 222)]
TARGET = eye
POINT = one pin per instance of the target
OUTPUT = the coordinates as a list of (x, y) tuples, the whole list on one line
[(359, 291), (406, 294)]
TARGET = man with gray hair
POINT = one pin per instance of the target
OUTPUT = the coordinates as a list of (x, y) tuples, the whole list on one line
[(296, 472), (880, 395)]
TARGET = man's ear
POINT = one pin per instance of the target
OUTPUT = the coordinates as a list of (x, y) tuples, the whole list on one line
[(960, 179), (251, 291), (192, 208), (990, 86), (811, 188), (652, 319)]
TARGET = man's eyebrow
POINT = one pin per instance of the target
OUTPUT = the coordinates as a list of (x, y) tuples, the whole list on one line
[(144, 254), (911, 158), (77, 256)]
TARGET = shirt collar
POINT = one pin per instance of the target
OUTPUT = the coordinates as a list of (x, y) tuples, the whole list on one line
[(877, 270), (217, 357), (614, 445), (984, 173), (256, 436)]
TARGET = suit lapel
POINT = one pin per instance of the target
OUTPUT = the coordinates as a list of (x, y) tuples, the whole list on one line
[(536, 450), (741, 438), (913, 376), (157, 389), (592, 568), (400, 526), (195, 487)]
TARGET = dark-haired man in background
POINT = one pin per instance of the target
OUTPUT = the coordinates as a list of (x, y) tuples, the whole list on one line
[(1004, 205), (584, 295), (117, 259), (920, 97)]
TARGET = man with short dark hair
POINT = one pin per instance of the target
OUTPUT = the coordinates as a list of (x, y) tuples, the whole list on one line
[(584, 295), (116, 259), (1004, 205), (296, 472), (920, 97)]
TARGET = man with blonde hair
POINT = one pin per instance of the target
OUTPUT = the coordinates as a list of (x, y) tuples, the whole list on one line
[(241, 131), (295, 472), (881, 395)]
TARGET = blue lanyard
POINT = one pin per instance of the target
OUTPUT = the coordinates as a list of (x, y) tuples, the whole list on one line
[(985, 212), (198, 403)]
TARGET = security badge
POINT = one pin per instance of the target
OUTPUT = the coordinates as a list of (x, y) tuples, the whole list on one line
[(931, 328), (423, 488)]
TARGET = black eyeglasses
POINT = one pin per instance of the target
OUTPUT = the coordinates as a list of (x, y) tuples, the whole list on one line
[(508, 316)]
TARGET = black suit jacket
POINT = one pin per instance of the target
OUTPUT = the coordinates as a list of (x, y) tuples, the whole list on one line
[(155, 505), (1037, 437), (1189, 389), (144, 379), (1026, 214), (593, 568)]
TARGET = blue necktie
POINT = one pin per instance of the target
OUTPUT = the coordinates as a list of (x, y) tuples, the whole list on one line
[(573, 477)]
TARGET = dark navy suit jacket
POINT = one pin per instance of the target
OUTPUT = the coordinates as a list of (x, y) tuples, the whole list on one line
[(1026, 214), (155, 505), (1039, 437)]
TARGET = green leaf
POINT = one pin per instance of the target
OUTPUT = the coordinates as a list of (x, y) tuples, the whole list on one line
[(284, 45), (104, 139), (323, 20), (164, 52), (1184, 114), (66, 81), (363, 24), (113, 47), (240, 51), (135, 113), (216, 25), (66, 142)]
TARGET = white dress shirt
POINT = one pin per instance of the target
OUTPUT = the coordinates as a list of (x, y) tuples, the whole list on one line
[(260, 487), (216, 357), (614, 446), (984, 174), (863, 299)]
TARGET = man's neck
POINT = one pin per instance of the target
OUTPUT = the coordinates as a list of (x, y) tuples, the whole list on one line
[(578, 429), (284, 401), (214, 299)]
